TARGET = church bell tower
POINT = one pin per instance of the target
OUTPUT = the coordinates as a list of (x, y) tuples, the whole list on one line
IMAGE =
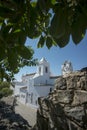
[(43, 67)]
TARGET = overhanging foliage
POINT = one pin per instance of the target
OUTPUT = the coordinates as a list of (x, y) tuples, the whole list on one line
[(53, 21)]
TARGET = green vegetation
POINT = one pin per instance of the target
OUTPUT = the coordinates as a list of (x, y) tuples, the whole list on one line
[(5, 89), (52, 21)]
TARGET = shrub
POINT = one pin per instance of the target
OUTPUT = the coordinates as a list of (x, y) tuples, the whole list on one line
[(5, 89)]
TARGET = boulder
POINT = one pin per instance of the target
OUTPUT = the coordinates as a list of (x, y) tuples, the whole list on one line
[(66, 106)]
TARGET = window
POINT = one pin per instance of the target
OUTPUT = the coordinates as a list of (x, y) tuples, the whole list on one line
[(31, 97), (46, 69), (39, 70), (22, 96), (36, 102), (50, 90)]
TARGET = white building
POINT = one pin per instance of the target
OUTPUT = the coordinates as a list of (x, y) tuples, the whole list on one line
[(66, 68), (35, 85)]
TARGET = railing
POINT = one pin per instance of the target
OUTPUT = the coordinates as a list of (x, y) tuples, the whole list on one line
[(43, 84)]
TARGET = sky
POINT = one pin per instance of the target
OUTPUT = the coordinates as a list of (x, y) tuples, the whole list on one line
[(56, 56)]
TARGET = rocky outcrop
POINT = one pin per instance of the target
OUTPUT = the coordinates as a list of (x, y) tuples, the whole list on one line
[(8, 119), (66, 107)]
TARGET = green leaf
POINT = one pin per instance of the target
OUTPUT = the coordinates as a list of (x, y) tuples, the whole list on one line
[(79, 29), (49, 42), (25, 52), (41, 42), (53, 2), (42, 5), (63, 41), (6, 12), (33, 32), (2, 49), (19, 37), (33, 29), (17, 31), (58, 23), (12, 59), (33, 3)]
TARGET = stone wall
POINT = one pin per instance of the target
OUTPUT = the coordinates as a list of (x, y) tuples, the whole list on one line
[(66, 107)]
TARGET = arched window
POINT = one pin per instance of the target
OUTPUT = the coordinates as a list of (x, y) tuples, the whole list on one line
[(46, 69), (50, 90), (39, 70)]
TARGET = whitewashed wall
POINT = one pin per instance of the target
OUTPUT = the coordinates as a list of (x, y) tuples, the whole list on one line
[(18, 85), (43, 90), (41, 80), (17, 90), (22, 97)]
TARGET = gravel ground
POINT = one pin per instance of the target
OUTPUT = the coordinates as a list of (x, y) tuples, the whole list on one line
[(27, 112)]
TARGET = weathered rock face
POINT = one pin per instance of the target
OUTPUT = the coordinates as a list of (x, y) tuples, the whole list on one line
[(66, 107)]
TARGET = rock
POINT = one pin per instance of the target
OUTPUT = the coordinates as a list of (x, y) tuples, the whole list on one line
[(66, 107), (64, 96), (15, 124), (60, 83), (80, 97), (84, 69)]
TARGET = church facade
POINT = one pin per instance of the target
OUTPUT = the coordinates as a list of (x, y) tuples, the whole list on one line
[(35, 85)]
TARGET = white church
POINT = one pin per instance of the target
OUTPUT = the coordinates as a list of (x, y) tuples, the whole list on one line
[(37, 84)]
